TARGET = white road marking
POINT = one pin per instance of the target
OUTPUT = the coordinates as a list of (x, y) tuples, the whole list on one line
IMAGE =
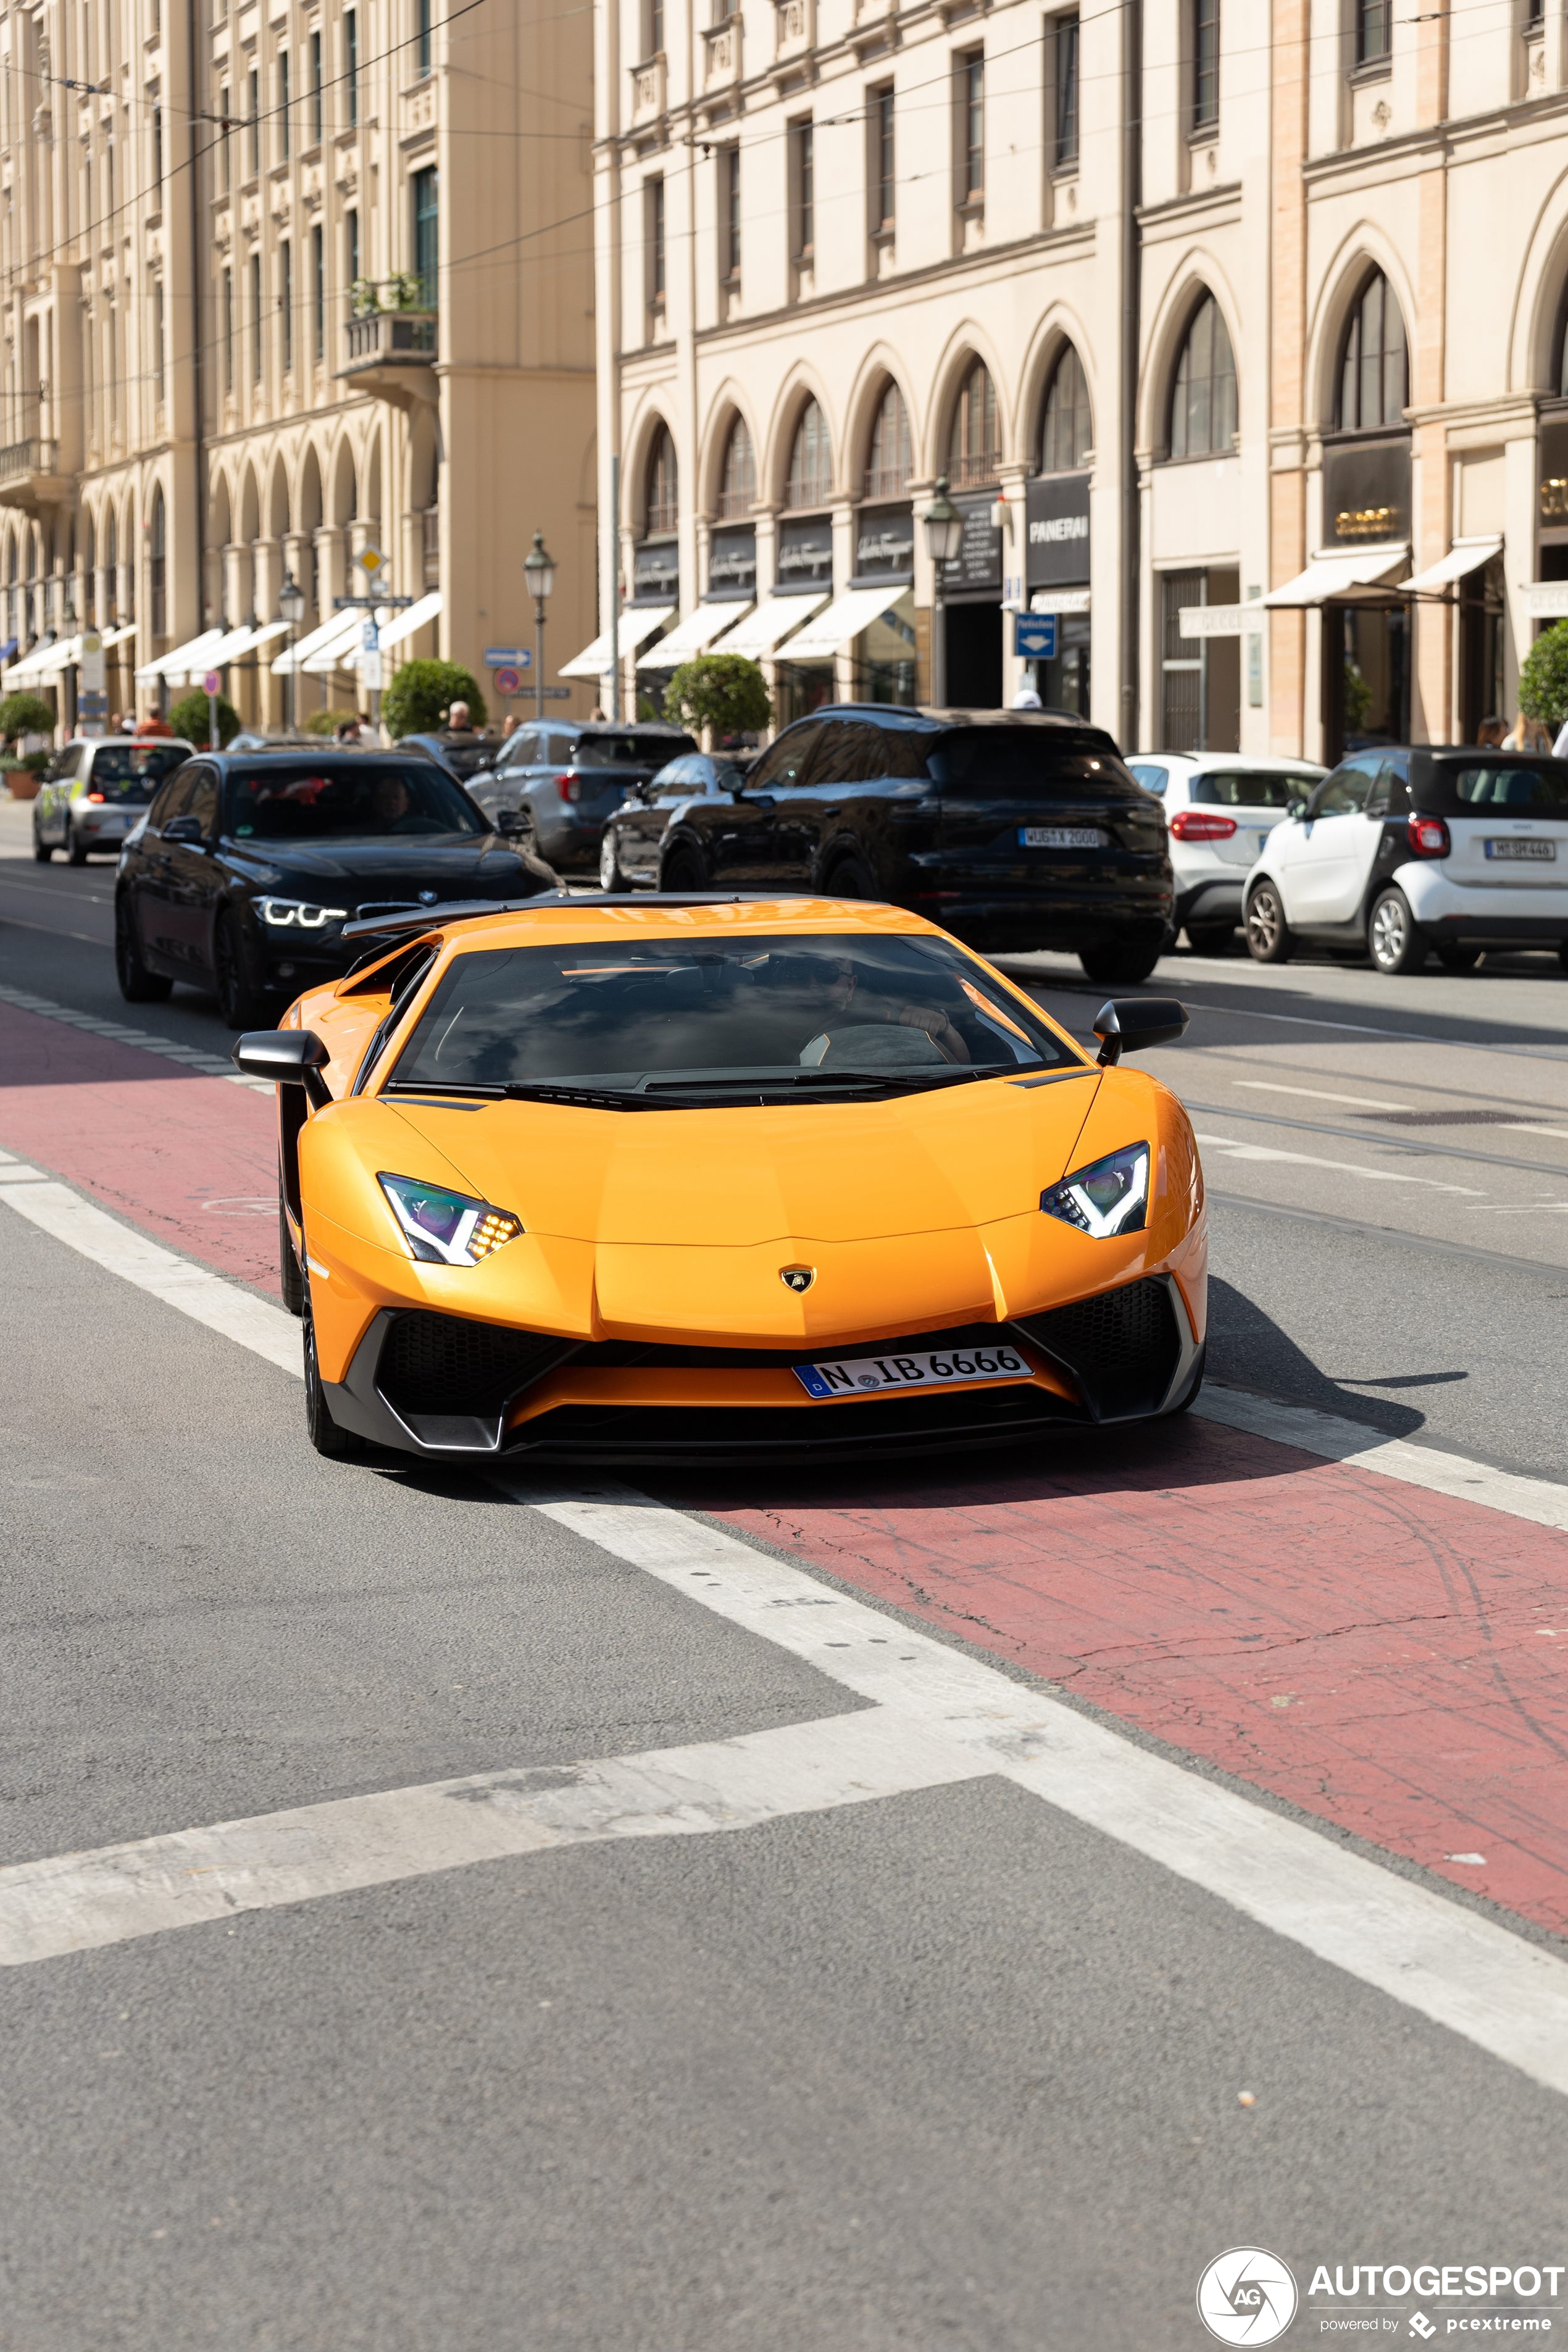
[(1516, 1127), (117, 1033), (1341, 1167), (1317, 1093)]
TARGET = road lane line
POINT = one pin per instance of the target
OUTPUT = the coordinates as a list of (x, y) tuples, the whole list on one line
[(1402, 1143), (117, 1033), (1533, 1267), (1242, 1150), (75, 1902), (1364, 1102)]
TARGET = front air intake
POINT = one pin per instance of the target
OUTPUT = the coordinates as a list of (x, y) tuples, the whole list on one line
[(445, 1364), (1122, 1347)]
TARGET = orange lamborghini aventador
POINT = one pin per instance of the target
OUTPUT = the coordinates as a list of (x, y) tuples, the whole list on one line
[(664, 1179)]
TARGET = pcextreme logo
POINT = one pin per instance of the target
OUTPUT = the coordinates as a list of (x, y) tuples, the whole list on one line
[(1247, 2296)]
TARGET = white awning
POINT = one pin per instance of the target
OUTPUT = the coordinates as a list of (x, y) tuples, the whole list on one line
[(1337, 573), (1060, 600), (183, 662), (770, 623), (842, 623), (112, 637), (1466, 555), (44, 662), (413, 616), (639, 623), (696, 632), (235, 643), (342, 624), (333, 650)]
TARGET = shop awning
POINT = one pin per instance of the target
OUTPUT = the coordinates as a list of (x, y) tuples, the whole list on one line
[(1466, 555), (842, 623), (638, 623), (335, 650), (1058, 600), (1337, 573), (183, 662), (769, 624), (341, 626), (44, 662), (112, 637), (696, 632), (416, 615)]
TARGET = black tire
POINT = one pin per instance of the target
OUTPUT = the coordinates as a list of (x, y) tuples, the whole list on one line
[(325, 1434), (1393, 941), (683, 869), (1268, 937), (1212, 939), (291, 1273), (41, 849), (76, 849), (241, 1004), (137, 984), (1118, 967), (612, 876), (849, 879), (1455, 957), (1563, 953)]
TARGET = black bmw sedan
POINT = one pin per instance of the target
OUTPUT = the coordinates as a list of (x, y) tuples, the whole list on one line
[(249, 865), (1014, 829)]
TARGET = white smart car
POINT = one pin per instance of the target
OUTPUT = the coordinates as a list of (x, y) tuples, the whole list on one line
[(1220, 807)]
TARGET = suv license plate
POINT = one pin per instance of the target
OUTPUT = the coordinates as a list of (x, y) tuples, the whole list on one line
[(1060, 837), (1545, 851), (860, 1375)]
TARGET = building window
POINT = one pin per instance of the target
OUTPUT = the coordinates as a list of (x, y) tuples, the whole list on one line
[(283, 138), (1068, 431), (350, 246), (810, 482), (653, 200), (803, 192), (421, 36), (427, 234), (224, 167), (256, 318), (1203, 396), (253, 110), (729, 213), (737, 490), (315, 90), (1206, 65), (1373, 28), (158, 380), (1064, 136), (891, 460), (157, 557), (974, 448), (351, 60), (884, 181), (158, 154), (1374, 369), (972, 128), (318, 293), (653, 21), (663, 487), (228, 331), (286, 302)]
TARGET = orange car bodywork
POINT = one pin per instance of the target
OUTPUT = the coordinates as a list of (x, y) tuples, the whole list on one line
[(920, 1213)]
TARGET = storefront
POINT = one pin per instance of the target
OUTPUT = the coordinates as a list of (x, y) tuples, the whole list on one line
[(972, 597), (1366, 636), (802, 566), (1056, 580), (733, 565), (656, 585), (884, 653)]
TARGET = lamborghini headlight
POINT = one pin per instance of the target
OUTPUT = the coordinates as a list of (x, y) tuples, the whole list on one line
[(448, 1228), (1109, 1196)]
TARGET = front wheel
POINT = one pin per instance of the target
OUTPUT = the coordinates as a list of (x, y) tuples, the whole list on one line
[(328, 1436), (1267, 933), (611, 875), (42, 851), (137, 984), (1211, 938), (75, 848), (1393, 941), (682, 869), (1117, 966), (1455, 957), (241, 1004)]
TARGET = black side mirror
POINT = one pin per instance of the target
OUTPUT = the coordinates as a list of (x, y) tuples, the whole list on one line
[(1130, 1025), (514, 825), (288, 1057), (185, 828)]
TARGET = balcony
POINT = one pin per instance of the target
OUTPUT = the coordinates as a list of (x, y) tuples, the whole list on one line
[(30, 475), (392, 355)]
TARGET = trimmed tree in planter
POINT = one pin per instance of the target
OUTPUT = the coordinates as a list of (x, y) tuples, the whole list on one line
[(1543, 677), (720, 696), (191, 718), (421, 694)]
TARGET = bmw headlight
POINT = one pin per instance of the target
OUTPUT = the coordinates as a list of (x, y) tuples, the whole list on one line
[(1110, 1196), (448, 1228), (298, 914)]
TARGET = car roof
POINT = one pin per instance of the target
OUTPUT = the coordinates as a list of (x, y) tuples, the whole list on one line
[(926, 716), (142, 742), (351, 754), (554, 915), (1199, 763)]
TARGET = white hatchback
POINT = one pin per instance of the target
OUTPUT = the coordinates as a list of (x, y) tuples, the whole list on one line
[(1220, 807)]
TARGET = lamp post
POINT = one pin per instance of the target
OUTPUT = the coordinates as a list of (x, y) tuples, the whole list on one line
[(538, 571), (944, 527), (291, 609)]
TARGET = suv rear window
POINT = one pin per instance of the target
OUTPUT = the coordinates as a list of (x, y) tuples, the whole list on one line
[(1475, 790), (1026, 763), (130, 773), (1251, 788), (629, 750)]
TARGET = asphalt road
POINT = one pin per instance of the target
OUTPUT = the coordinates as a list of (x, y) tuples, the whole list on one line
[(951, 2068)]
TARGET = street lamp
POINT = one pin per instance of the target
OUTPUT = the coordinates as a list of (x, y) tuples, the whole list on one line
[(291, 609), (944, 527), (538, 571)]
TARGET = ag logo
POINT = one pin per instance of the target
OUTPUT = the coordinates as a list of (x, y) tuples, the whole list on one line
[(1247, 2296), (798, 1278)]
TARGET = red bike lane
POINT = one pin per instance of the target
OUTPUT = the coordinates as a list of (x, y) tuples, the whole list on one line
[(1391, 1660)]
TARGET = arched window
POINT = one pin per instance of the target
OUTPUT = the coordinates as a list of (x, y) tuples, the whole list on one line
[(737, 490), (810, 480), (1069, 432), (1374, 369), (891, 462), (974, 450), (1203, 397), (88, 570), (157, 559), (663, 486)]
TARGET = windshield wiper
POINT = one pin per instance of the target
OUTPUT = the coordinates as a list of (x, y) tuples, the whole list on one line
[(888, 1081), (594, 1098)]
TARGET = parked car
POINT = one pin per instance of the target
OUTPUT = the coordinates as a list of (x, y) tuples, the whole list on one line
[(1219, 811), (249, 865), (465, 755), (1010, 828), (94, 792), (1407, 851), (629, 852), (569, 776)]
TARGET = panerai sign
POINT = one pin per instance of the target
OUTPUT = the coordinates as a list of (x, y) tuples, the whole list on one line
[(1056, 522)]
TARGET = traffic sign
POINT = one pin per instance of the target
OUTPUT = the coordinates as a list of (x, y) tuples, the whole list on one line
[(509, 680), (552, 693), (370, 634), (509, 657), (211, 682), (1035, 637)]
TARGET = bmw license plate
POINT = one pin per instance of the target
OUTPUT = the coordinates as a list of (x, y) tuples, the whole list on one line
[(1545, 851), (1060, 837), (861, 1375)]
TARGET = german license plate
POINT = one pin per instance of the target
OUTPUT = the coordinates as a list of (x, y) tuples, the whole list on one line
[(862, 1375), (1060, 837), (1544, 851)]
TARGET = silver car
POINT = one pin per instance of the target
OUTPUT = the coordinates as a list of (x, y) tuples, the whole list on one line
[(95, 792)]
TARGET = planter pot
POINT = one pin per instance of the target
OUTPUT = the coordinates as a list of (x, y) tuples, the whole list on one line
[(24, 784)]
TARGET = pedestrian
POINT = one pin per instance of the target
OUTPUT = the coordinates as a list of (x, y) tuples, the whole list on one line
[(1526, 735), (117, 723), (1490, 734), (348, 731), (153, 725), (597, 713), (1560, 748), (510, 726), (458, 718)]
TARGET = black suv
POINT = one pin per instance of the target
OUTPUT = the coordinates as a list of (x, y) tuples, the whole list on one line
[(1013, 829), (250, 864), (569, 775)]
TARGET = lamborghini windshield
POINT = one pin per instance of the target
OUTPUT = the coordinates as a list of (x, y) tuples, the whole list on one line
[(659, 1022)]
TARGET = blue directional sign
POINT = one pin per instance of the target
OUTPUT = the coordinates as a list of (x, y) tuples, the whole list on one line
[(1035, 637), (509, 657)]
